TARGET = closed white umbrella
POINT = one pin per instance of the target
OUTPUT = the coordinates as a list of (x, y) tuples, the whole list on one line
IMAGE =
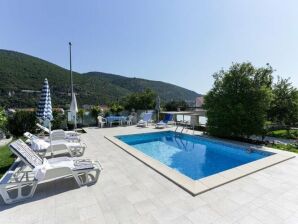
[(74, 109), (157, 107)]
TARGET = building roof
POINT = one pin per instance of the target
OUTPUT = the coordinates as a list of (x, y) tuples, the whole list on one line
[(197, 112)]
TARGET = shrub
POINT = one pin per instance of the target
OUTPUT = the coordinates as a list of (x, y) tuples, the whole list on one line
[(21, 122), (288, 134), (285, 147), (3, 120), (59, 121), (70, 126), (81, 115)]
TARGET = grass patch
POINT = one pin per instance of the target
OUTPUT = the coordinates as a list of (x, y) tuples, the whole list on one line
[(288, 134), (6, 159), (288, 147)]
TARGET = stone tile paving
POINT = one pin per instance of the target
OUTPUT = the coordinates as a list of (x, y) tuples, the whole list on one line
[(130, 192)]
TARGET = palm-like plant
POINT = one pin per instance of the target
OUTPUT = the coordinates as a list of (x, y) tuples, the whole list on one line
[(95, 111), (81, 115)]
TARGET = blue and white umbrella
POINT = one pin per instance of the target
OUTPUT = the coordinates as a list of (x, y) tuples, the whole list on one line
[(44, 109)]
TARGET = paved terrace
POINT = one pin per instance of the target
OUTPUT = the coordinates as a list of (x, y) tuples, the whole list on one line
[(130, 192)]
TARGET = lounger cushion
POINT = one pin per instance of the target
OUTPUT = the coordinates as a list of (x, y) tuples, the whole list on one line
[(61, 162), (161, 123), (83, 164), (40, 171), (39, 144), (141, 122), (74, 164), (61, 141)]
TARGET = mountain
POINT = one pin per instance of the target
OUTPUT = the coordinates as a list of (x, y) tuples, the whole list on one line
[(22, 77)]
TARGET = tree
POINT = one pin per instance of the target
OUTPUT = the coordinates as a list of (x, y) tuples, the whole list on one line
[(284, 106), (59, 120), (3, 120), (237, 104), (174, 105), (116, 108), (140, 101)]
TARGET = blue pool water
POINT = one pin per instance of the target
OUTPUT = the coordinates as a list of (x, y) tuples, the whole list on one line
[(195, 157)]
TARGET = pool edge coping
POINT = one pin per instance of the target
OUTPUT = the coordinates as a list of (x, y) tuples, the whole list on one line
[(196, 187)]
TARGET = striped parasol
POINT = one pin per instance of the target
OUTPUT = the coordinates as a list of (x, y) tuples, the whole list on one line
[(44, 109)]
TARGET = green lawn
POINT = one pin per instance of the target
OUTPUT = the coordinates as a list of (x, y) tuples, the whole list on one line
[(291, 134), (288, 147), (6, 159)]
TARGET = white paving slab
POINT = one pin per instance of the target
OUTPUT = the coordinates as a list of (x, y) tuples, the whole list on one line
[(128, 191)]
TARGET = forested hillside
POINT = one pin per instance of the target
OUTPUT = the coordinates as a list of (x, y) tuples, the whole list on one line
[(20, 73)]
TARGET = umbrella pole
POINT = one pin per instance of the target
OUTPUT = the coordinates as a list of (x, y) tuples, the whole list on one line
[(75, 121), (50, 128)]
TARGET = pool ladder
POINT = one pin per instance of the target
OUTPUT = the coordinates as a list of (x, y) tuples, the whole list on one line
[(176, 130), (184, 127)]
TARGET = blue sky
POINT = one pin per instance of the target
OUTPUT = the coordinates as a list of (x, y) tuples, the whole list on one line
[(178, 41)]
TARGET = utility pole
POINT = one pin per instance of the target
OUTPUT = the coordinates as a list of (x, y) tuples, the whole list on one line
[(70, 69)]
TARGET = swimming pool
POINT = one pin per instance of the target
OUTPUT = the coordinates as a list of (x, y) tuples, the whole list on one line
[(197, 164), (196, 157)]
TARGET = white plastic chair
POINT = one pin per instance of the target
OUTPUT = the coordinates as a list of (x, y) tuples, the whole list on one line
[(101, 121), (129, 120)]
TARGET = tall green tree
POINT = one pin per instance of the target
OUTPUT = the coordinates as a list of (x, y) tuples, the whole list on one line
[(237, 104), (116, 108), (284, 106), (174, 105), (140, 101)]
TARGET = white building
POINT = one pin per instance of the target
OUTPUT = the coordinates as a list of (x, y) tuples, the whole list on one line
[(199, 101)]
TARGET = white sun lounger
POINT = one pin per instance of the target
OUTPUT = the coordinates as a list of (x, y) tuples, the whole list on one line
[(144, 122), (42, 147), (60, 134), (21, 180), (165, 122)]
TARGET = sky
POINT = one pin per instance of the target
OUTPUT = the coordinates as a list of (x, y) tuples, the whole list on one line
[(183, 42)]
